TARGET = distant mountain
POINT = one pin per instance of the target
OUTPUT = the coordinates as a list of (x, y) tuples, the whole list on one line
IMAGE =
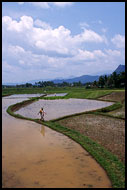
[(33, 81), (9, 84), (120, 68), (82, 79)]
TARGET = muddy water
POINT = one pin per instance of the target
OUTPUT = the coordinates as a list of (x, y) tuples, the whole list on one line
[(62, 107), (36, 156)]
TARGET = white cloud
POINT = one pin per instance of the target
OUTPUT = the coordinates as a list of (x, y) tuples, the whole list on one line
[(88, 55), (6, 66), (21, 62), (84, 55), (92, 36), (62, 4), (25, 23), (114, 53), (99, 53), (40, 4), (45, 66), (118, 41), (44, 37), (28, 59), (20, 3), (42, 24), (84, 25), (104, 30), (15, 50), (34, 46), (46, 5)]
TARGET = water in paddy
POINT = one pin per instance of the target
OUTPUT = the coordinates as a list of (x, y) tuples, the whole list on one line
[(62, 107), (36, 156), (22, 96), (56, 94)]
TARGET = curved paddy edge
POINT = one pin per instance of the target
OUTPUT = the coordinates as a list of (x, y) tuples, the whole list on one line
[(111, 164)]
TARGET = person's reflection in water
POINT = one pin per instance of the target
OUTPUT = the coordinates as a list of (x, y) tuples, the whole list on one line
[(43, 130)]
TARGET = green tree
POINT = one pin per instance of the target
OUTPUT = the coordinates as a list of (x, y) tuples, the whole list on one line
[(28, 85), (101, 81)]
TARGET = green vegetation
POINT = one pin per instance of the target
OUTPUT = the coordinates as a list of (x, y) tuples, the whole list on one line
[(73, 92), (102, 111), (112, 165), (105, 111), (90, 94), (112, 81), (114, 168), (15, 90)]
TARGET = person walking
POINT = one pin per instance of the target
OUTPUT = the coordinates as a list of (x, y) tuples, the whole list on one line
[(42, 113)]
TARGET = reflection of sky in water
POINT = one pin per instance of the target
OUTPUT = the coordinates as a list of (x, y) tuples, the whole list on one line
[(23, 96), (36, 156), (33, 95), (62, 107), (56, 94)]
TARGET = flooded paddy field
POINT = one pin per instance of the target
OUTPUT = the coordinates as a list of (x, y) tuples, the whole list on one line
[(23, 96), (56, 94), (62, 107), (36, 156)]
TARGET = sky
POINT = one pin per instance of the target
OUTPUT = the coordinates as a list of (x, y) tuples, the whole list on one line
[(48, 40)]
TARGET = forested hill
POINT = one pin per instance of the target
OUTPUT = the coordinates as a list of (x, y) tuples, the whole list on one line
[(82, 79), (120, 68)]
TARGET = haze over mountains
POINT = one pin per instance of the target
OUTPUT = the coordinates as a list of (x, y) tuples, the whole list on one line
[(82, 79)]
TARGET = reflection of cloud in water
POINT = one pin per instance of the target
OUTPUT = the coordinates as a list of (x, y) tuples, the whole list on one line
[(23, 96), (61, 107), (42, 130)]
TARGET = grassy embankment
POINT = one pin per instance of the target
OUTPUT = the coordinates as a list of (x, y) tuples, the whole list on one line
[(75, 92), (112, 165)]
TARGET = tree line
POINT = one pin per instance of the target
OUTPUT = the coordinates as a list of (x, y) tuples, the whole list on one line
[(111, 81), (107, 81)]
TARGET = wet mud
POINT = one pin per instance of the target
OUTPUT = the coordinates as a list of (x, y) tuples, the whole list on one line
[(36, 156)]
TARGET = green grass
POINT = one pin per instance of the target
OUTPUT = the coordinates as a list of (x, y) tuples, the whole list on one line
[(54, 97), (113, 166), (10, 91), (73, 92), (106, 111), (115, 106), (88, 94)]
